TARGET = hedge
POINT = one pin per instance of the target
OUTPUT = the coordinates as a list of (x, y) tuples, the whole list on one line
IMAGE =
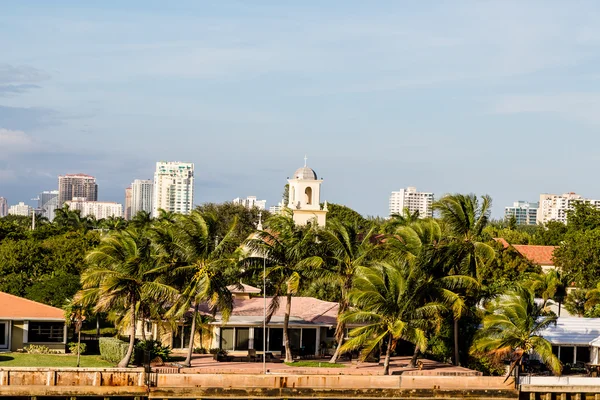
[(112, 349)]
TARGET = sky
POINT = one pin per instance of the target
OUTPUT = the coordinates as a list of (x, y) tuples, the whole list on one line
[(484, 97)]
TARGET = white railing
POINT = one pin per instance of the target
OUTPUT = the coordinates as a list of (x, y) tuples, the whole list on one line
[(559, 381)]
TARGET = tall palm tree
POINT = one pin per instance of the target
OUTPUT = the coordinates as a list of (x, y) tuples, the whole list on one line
[(346, 250), (465, 219), (290, 252), (202, 260), (546, 284), (512, 324), (121, 273), (383, 303), (406, 218)]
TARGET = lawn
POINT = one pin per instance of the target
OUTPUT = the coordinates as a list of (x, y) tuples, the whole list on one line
[(315, 364), (51, 360)]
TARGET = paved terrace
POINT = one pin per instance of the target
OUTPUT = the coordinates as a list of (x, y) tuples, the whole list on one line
[(205, 364)]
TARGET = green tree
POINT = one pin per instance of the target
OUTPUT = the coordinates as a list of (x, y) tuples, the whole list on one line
[(291, 255), (512, 325), (205, 256), (347, 248), (397, 220), (575, 303), (578, 257), (465, 218), (121, 273)]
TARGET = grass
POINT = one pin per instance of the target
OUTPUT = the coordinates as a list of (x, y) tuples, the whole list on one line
[(51, 360), (314, 364)]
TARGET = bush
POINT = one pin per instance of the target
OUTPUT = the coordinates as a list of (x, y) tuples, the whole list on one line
[(199, 350), (489, 365), (73, 347), (156, 350), (38, 349), (216, 350), (112, 349)]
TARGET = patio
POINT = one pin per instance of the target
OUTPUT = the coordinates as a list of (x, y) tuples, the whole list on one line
[(205, 364)]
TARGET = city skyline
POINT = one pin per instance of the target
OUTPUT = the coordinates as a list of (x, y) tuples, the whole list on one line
[(429, 95)]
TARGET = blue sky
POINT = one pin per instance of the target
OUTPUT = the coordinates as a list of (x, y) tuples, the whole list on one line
[(496, 97)]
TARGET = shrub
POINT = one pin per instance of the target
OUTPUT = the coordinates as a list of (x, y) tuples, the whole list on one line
[(199, 350), (112, 349), (216, 350), (73, 347), (156, 350), (37, 349)]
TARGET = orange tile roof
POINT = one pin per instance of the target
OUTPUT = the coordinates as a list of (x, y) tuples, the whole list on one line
[(541, 255), (17, 308), (502, 241)]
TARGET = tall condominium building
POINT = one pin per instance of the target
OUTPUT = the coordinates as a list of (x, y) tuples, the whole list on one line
[(20, 209), (251, 202), (413, 200), (97, 209), (127, 210), (3, 207), (141, 196), (48, 203), (524, 212), (554, 207), (173, 187), (76, 185)]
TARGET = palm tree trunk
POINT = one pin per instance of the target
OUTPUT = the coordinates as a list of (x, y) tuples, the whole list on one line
[(144, 329), (456, 355), (125, 361), (98, 325), (78, 347), (286, 322), (188, 359), (388, 354), (559, 304), (413, 360), (340, 340)]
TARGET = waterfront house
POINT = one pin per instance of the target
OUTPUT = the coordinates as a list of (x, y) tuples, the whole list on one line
[(575, 340), (24, 322)]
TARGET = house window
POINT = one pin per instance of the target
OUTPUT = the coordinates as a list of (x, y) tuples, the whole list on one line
[(43, 332), (242, 337), (3, 335), (227, 335)]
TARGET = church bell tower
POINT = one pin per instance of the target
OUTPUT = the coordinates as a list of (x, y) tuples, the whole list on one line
[(305, 197)]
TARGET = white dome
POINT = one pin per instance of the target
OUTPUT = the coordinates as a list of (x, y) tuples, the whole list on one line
[(305, 173)]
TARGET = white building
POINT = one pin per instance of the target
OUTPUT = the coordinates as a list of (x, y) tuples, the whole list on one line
[(413, 200), (173, 187), (554, 207), (524, 212), (97, 209), (141, 196), (251, 202), (3, 207), (48, 203), (20, 209), (277, 209), (305, 197)]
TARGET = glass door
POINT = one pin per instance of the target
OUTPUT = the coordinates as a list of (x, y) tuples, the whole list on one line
[(4, 327)]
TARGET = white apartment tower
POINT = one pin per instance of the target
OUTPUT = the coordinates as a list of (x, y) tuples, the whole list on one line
[(413, 200), (173, 187), (525, 213), (97, 209), (3, 207), (141, 196), (554, 207), (251, 202), (20, 209)]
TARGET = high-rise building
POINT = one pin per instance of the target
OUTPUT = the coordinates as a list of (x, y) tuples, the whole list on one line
[(412, 200), (251, 202), (76, 185), (525, 213), (48, 203), (3, 207), (127, 214), (554, 207), (173, 187), (141, 196), (20, 209), (97, 209)]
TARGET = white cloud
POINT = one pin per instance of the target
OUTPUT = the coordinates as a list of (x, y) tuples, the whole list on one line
[(12, 142)]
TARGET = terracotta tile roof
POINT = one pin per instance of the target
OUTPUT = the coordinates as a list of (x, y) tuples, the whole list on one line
[(307, 309), (541, 255), (17, 308), (502, 241)]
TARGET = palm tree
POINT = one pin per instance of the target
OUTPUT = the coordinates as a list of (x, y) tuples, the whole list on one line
[(121, 273), (72, 219), (465, 219), (383, 300), (397, 220), (203, 259), (141, 220), (512, 324), (289, 250), (546, 284), (346, 249)]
